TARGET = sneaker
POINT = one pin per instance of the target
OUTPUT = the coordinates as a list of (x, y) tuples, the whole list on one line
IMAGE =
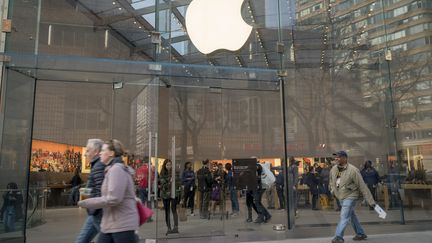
[(337, 240), (360, 237)]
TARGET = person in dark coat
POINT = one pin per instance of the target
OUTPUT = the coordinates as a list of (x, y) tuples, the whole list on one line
[(371, 178), (312, 180), (205, 181), (11, 210), (91, 226), (188, 182), (280, 184)]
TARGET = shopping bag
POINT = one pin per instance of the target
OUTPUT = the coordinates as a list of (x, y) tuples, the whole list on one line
[(144, 213), (182, 213)]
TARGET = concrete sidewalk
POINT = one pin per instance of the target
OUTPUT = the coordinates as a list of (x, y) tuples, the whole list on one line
[(411, 237)]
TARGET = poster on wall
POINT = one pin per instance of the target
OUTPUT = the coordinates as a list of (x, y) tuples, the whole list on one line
[(244, 171)]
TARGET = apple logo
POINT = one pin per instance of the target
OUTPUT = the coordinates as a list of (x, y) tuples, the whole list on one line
[(216, 24)]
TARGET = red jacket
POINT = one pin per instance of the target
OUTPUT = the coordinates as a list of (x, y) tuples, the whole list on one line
[(142, 176)]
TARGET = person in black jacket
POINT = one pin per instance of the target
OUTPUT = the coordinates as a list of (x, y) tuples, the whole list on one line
[(11, 210), (205, 181), (312, 180), (280, 185), (91, 226)]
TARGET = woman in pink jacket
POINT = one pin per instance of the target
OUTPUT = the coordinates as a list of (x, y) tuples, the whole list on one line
[(120, 215)]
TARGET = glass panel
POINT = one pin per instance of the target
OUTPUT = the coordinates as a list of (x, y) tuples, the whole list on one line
[(16, 123)]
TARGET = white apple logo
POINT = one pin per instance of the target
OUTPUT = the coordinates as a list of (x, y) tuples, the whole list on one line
[(216, 24)]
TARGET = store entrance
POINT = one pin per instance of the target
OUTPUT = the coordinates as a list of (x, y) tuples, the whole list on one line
[(158, 113)]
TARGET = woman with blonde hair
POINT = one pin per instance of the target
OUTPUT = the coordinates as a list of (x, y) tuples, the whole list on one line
[(120, 215)]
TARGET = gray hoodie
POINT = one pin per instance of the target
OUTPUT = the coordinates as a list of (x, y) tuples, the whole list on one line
[(117, 200)]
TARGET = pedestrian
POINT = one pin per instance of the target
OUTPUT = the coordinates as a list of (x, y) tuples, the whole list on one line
[(91, 226), (188, 181), (120, 214), (263, 215), (205, 181), (142, 176), (169, 200), (293, 178), (371, 178), (75, 183), (11, 210), (231, 185), (347, 184), (280, 185)]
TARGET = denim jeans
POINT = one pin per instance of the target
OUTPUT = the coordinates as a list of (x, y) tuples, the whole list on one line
[(9, 218), (90, 229), (347, 215), (263, 214), (234, 201)]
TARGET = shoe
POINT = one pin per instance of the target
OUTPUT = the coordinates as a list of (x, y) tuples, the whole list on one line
[(175, 230), (315, 209), (259, 221), (360, 237), (337, 240), (249, 220), (338, 209), (267, 219), (192, 214)]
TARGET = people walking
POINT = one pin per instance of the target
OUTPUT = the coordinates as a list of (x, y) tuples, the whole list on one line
[(263, 214), (280, 185), (346, 183), (91, 226), (120, 214)]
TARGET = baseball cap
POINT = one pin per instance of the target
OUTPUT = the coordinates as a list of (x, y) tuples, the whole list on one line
[(341, 154)]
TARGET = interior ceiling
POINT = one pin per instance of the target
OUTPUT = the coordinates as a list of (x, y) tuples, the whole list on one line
[(133, 21)]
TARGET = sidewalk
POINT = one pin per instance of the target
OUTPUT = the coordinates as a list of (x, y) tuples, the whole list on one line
[(411, 237)]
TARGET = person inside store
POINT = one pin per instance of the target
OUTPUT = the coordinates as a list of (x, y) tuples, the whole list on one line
[(120, 214), (205, 181), (280, 185), (392, 180), (217, 192), (91, 226), (294, 180), (141, 178), (312, 180), (371, 178), (263, 215), (231, 186), (11, 210), (169, 200), (347, 184), (188, 182), (75, 183)]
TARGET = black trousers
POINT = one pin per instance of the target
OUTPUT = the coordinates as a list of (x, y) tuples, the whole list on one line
[(170, 203), (189, 198), (120, 237)]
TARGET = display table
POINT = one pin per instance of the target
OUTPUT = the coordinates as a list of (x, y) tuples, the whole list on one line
[(409, 194), (55, 197)]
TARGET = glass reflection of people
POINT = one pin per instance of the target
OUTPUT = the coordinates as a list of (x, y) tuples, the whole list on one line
[(11, 210), (169, 201), (188, 181), (371, 178), (393, 185), (141, 177), (120, 215), (217, 194), (280, 185), (75, 184)]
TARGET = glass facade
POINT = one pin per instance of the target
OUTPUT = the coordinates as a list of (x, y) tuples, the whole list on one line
[(313, 77)]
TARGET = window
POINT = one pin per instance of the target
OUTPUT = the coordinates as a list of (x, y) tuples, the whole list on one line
[(400, 11), (304, 12), (424, 85), (425, 100)]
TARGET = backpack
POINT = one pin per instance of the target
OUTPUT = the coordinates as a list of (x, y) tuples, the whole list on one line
[(267, 177)]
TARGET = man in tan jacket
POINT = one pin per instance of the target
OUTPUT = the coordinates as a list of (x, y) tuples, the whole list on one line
[(347, 184)]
